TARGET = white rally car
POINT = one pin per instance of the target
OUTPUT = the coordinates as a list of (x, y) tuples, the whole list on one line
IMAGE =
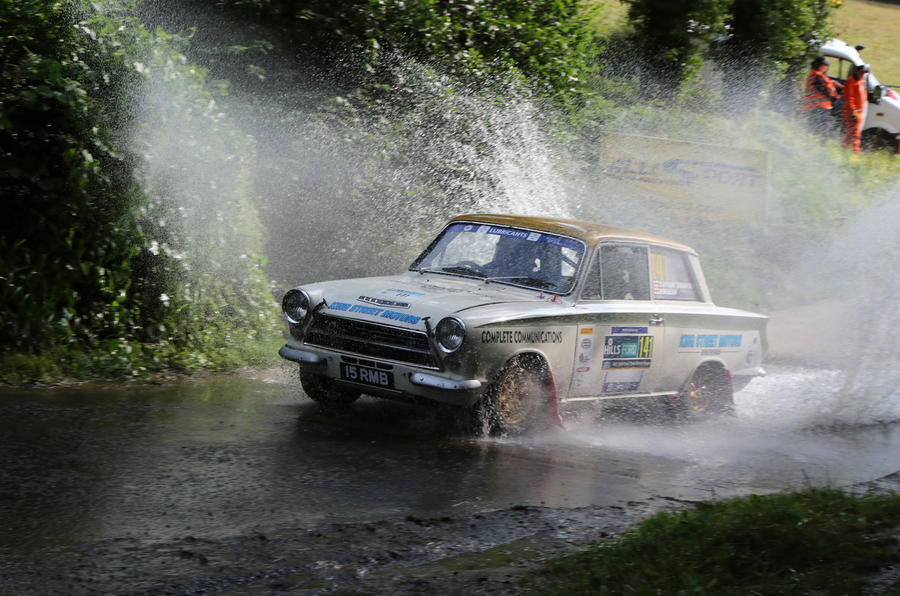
[(515, 319)]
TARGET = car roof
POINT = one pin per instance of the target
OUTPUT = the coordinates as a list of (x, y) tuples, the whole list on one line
[(591, 233), (841, 49)]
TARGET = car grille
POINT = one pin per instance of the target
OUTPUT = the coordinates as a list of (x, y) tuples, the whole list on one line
[(370, 339)]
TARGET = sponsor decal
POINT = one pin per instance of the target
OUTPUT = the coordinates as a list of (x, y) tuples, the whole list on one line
[(373, 311), (709, 341), (383, 302), (523, 234), (584, 354), (622, 381), (399, 293), (628, 346), (730, 341), (629, 330), (750, 357), (548, 297), (621, 387), (511, 336), (635, 363), (671, 288), (400, 316)]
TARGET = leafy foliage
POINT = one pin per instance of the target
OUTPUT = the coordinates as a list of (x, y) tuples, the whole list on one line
[(759, 38), (548, 41), (669, 35), (779, 32), (85, 262), (66, 226)]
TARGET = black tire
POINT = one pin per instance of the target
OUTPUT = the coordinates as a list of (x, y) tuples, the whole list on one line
[(709, 392), (874, 139), (516, 402), (325, 391)]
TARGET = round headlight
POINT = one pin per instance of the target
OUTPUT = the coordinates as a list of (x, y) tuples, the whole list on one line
[(295, 305), (450, 333)]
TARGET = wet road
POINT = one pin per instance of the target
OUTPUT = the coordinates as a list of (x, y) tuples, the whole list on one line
[(229, 456)]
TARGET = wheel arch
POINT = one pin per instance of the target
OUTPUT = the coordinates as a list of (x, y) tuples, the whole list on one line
[(536, 360), (715, 366)]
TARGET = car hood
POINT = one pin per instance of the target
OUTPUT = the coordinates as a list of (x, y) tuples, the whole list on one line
[(407, 299)]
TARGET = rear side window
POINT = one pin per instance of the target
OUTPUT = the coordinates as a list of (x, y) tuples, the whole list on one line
[(671, 275), (623, 272)]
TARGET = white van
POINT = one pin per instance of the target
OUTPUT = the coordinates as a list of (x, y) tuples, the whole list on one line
[(882, 125)]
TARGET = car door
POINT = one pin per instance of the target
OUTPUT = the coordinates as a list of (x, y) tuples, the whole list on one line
[(620, 336)]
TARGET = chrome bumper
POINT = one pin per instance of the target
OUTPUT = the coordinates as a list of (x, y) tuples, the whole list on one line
[(296, 355)]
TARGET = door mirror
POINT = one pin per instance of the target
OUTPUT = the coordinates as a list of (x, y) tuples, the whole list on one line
[(876, 94)]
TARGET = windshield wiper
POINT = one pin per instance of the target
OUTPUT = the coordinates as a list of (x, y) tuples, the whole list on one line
[(455, 269), (525, 280)]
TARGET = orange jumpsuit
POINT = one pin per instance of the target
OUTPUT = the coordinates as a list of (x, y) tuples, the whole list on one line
[(818, 101), (819, 91), (855, 100)]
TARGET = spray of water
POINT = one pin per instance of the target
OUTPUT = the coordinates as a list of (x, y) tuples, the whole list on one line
[(346, 192)]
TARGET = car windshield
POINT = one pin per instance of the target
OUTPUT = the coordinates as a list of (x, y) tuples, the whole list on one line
[(501, 254)]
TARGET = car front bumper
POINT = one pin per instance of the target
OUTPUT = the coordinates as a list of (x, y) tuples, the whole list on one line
[(408, 381)]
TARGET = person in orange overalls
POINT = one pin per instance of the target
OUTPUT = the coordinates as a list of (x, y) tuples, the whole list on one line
[(856, 98), (820, 98)]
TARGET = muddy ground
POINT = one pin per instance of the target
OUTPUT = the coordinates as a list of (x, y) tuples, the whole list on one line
[(485, 553)]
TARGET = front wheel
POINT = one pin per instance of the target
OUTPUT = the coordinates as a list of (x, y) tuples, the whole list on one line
[(325, 391), (708, 392), (517, 401)]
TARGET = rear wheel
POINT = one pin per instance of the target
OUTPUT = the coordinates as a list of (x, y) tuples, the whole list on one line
[(325, 391), (708, 392), (516, 401)]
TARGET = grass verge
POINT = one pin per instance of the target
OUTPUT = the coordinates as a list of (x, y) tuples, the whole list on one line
[(818, 541), (874, 25), (118, 360)]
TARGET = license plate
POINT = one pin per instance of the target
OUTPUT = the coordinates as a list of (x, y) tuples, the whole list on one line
[(366, 375)]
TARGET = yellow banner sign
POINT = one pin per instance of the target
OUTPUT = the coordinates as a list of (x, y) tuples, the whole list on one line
[(721, 182)]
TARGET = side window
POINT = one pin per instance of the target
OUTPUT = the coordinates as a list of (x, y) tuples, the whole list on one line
[(671, 275), (840, 69), (624, 272)]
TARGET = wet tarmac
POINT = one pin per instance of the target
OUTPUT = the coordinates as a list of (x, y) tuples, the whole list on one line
[(236, 456)]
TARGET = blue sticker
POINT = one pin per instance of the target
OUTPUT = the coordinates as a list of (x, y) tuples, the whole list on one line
[(375, 312), (710, 341), (730, 341), (400, 316), (707, 341), (629, 330)]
